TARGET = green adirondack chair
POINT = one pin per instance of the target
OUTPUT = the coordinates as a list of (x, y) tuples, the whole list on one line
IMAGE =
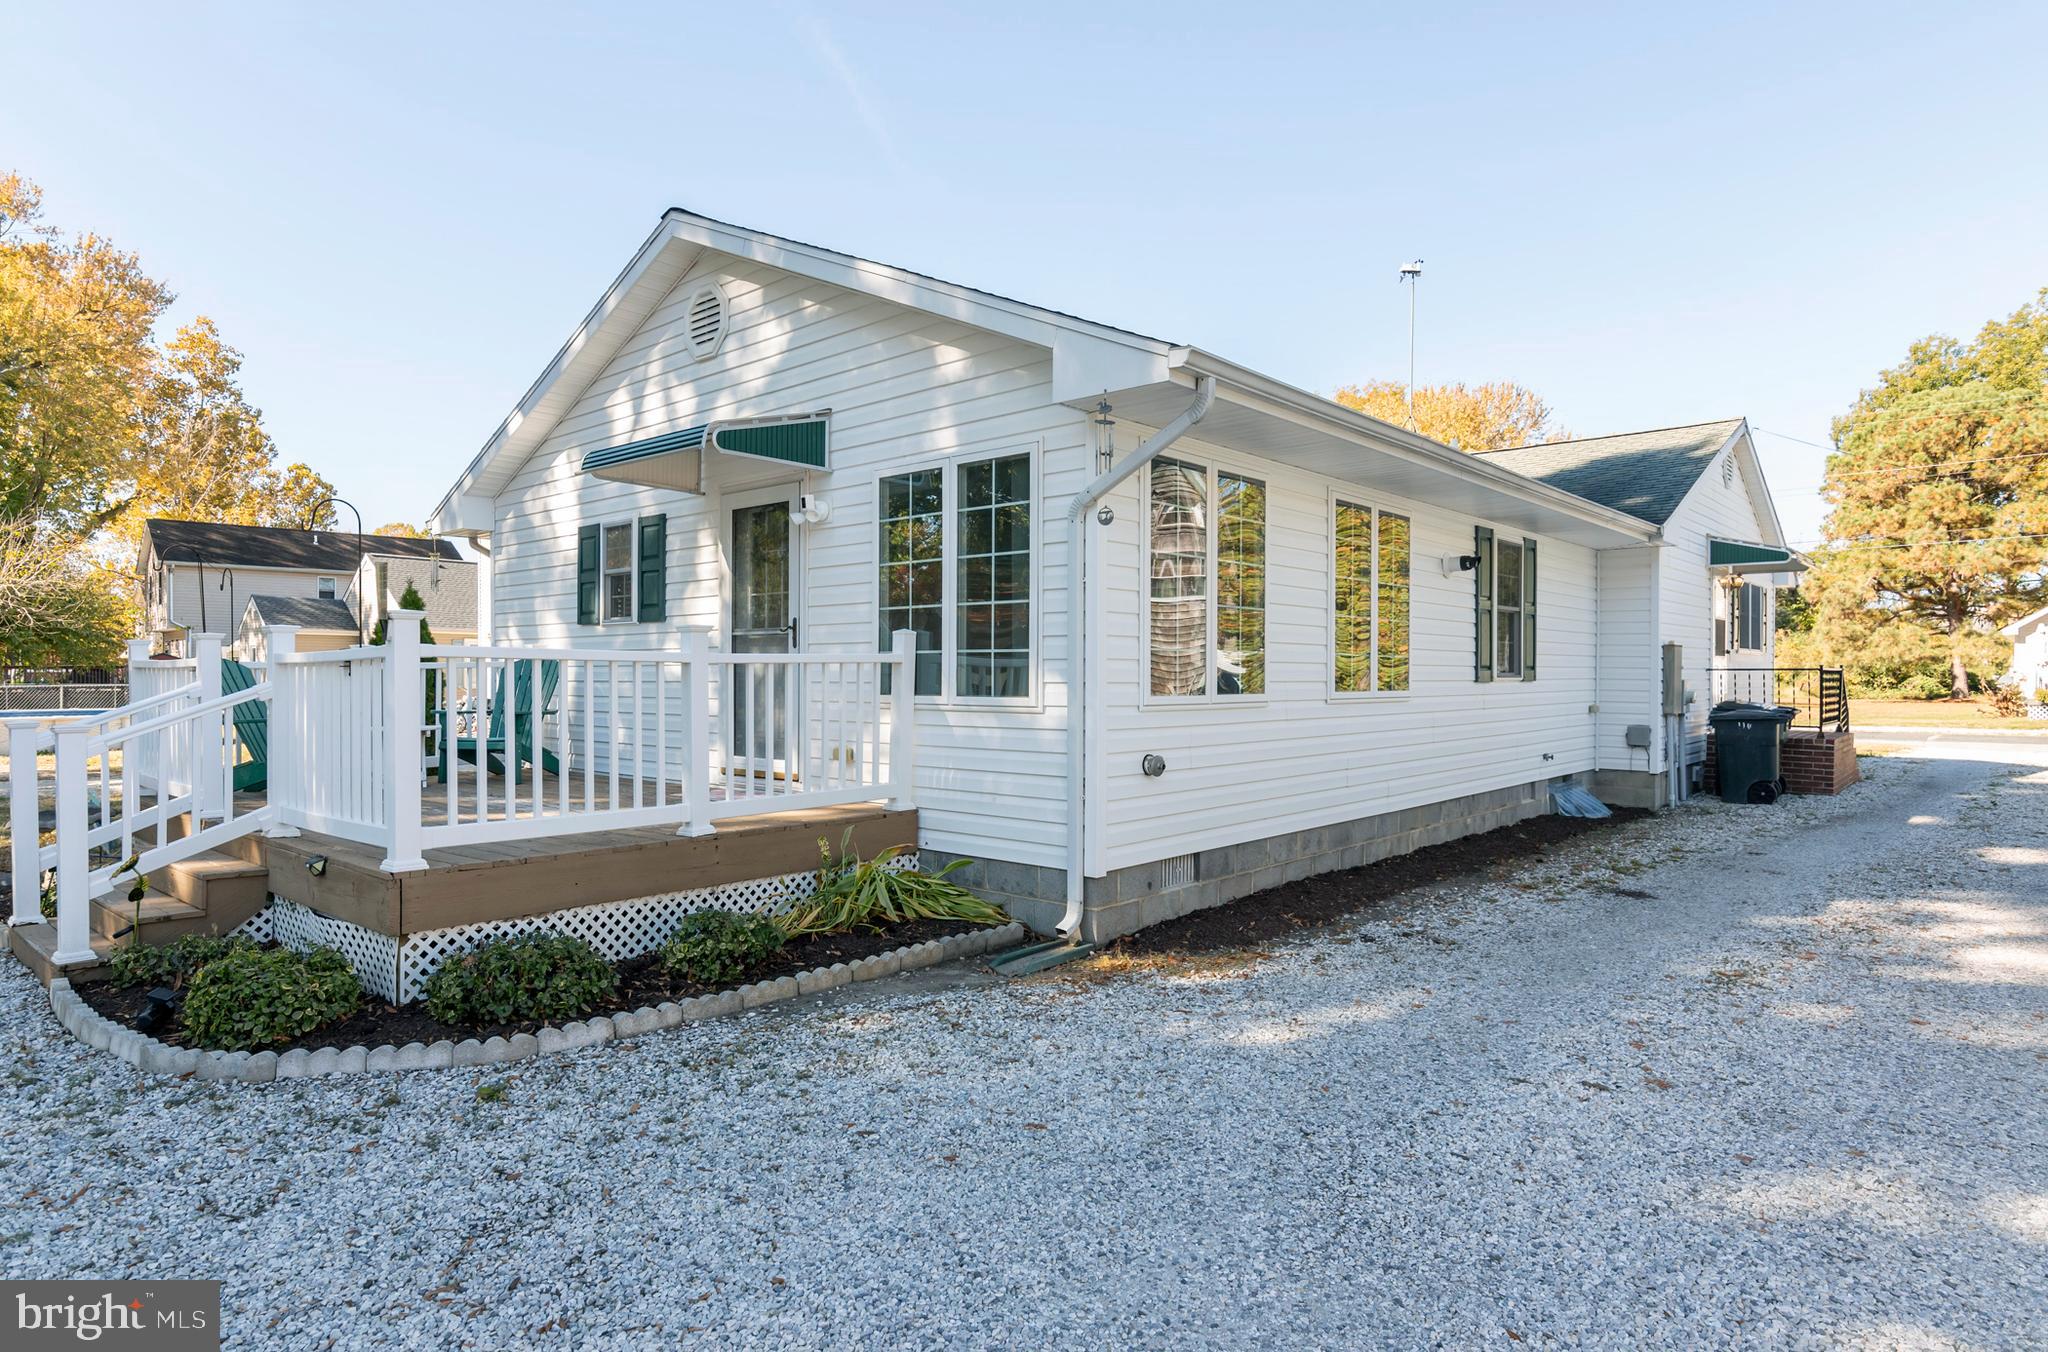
[(524, 723), (252, 725)]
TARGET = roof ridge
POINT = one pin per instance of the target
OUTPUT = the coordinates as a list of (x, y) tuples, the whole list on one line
[(1611, 436)]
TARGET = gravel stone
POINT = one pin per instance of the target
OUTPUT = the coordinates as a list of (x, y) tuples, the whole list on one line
[(1738, 1076)]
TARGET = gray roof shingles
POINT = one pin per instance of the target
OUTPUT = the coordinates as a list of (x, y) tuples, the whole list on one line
[(279, 547), (307, 612), (1645, 474)]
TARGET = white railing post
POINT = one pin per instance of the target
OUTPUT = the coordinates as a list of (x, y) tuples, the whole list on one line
[(74, 906), (24, 811), (902, 721), (281, 775), (404, 705), (206, 750), (696, 766), (138, 659)]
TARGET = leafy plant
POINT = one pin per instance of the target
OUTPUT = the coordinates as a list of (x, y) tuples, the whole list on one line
[(492, 1092), (855, 893), (716, 948), (2008, 701), (541, 976), (172, 965), (255, 997)]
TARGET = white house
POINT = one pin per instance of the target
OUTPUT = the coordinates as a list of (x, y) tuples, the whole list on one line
[(1184, 630), (200, 576), (2029, 670)]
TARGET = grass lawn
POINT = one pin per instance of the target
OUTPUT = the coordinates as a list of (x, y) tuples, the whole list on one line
[(1932, 713)]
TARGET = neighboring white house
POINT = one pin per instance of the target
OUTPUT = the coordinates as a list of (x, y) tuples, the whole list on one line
[(199, 576), (1306, 638), (2029, 669)]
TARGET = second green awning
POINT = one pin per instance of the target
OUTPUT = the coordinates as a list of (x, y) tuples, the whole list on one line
[(1740, 556), (676, 459)]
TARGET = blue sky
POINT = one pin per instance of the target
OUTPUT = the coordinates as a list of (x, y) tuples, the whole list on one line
[(1651, 218)]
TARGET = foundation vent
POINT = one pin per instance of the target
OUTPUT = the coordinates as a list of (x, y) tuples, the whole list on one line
[(1176, 872)]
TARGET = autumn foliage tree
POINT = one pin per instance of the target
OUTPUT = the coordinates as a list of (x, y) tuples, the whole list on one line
[(102, 426), (1488, 417), (1938, 491)]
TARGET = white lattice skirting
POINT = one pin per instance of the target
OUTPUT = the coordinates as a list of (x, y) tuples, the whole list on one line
[(398, 970)]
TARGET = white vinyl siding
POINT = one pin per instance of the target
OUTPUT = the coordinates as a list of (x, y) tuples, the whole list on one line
[(1299, 757), (1686, 587), (907, 391)]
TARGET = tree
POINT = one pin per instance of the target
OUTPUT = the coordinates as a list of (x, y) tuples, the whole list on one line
[(1938, 488), (1489, 417), (409, 599), (76, 364), (101, 427), (56, 608), (402, 529)]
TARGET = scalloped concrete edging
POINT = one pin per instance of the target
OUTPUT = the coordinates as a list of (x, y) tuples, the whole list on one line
[(145, 1053)]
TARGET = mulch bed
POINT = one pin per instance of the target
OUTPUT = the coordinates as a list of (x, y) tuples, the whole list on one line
[(1312, 903), (641, 983)]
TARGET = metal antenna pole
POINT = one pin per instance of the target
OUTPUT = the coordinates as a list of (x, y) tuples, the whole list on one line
[(1412, 275)]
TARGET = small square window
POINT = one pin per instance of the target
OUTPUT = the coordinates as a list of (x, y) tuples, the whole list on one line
[(327, 589)]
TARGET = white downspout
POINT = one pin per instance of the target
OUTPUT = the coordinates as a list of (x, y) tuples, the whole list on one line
[(1077, 631)]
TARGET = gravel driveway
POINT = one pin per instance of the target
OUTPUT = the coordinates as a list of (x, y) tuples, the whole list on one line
[(1733, 1075)]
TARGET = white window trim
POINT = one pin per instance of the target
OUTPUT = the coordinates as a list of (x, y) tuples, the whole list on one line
[(1211, 469), (949, 568), (326, 588), (1331, 693), (632, 571)]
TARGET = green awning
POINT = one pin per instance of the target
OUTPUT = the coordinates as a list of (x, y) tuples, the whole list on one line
[(1740, 556), (671, 460), (794, 441), (676, 459)]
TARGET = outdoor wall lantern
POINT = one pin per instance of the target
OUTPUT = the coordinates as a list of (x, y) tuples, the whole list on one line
[(317, 866)]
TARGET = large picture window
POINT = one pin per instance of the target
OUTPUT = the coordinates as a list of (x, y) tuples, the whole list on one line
[(913, 525), (1369, 599), (956, 567), (1206, 541)]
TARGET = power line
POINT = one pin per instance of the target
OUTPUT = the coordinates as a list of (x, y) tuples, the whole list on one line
[(1787, 436), (1917, 544)]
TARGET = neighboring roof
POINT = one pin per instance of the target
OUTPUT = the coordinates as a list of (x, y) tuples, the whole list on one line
[(1645, 474), (307, 612), (276, 547), (2024, 623)]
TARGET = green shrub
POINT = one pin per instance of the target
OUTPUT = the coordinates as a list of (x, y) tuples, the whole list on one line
[(542, 976), (135, 964), (254, 997), (717, 948), (856, 893), (1922, 685)]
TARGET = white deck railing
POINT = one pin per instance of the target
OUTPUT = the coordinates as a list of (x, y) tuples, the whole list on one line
[(412, 748)]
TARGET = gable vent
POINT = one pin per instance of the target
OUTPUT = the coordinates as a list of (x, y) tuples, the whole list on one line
[(704, 321), (1728, 470)]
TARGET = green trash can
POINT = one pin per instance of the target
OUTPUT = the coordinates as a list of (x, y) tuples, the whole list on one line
[(1748, 739)]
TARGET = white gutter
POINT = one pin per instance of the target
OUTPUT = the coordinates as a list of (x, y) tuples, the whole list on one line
[(1077, 633)]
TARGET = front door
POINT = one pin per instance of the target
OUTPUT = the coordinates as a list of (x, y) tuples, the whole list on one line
[(762, 544)]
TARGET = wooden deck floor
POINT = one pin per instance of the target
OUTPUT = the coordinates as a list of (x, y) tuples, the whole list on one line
[(506, 880)]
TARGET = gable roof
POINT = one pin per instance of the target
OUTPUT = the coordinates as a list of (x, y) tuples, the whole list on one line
[(1646, 474), (307, 612), (330, 551), (2019, 627)]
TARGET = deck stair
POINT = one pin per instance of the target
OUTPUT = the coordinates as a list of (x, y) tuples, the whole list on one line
[(210, 893)]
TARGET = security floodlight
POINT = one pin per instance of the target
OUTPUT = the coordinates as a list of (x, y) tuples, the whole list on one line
[(1412, 271)]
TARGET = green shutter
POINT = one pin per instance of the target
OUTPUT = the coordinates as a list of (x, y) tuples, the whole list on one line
[(586, 575), (1482, 605), (1528, 610), (654, 567)]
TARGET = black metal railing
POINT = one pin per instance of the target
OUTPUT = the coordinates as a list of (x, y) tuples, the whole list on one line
[(1819, 694)]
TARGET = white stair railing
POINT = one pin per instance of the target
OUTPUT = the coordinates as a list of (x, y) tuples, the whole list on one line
[(122, 783)]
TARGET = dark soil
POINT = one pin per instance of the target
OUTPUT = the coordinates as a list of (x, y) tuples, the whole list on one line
[(1314, 902), (641, 983)]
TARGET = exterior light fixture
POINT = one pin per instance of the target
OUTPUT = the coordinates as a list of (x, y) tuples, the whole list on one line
[(317, 866)]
